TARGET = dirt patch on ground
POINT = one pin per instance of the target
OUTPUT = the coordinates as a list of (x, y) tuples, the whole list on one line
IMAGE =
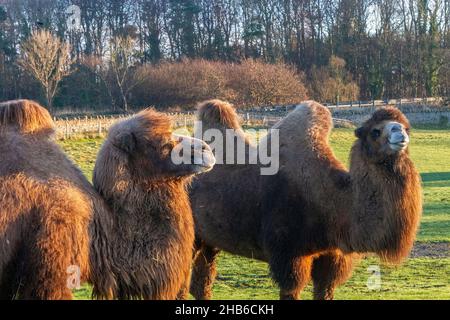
[(431, 250)]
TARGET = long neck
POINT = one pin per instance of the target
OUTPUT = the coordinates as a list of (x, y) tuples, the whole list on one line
[(144, 210), (129, 233), (386, 205)]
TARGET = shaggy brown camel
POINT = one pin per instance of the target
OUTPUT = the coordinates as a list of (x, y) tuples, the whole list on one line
[(311, 217), (133, 243)]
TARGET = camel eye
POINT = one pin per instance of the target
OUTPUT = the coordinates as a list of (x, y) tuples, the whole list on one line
[(375, 134)]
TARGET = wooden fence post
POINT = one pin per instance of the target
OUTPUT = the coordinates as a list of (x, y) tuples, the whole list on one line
[(66, 134)]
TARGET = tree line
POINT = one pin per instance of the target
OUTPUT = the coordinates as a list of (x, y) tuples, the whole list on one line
[(340, 49)]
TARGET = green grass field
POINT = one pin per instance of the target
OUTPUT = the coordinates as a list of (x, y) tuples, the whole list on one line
[(423, 277)]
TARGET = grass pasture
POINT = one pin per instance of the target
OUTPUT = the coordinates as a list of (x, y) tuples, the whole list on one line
[(424, 276)]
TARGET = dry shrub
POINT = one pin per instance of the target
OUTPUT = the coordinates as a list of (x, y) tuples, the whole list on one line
[(181, 84), (260, 84), (333, 82), (250, 84)]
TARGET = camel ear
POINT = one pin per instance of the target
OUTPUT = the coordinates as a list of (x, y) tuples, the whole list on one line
[(359, 132), (126, 141)]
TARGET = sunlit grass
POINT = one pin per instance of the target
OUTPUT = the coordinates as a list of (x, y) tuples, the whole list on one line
[(419, 278)]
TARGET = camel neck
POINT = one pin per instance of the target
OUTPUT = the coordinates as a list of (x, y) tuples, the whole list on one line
[(150, 204), (131, 230), (386, 205)]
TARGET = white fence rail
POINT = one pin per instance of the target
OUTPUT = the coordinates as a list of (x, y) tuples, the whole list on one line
[(99, 125), (344, 114)]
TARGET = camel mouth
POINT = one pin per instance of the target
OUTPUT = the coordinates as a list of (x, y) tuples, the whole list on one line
[(398, 138), (194, 153), (398, 142), (398, 146), (204, 162)]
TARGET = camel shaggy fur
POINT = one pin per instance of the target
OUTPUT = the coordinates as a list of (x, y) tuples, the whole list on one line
[(133, 243), (150, 225), (311, 217)]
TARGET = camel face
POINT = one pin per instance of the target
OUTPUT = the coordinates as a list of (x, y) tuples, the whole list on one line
[(397, 136), (386, 134), (145, 147), (389, 137), (194, 152)]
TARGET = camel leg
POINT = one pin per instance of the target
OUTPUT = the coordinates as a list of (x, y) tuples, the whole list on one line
[(9, 287), (49, 260), (45, 284), (46, 279), (291, 274), (6, 289), (183, 294), (10, 280), (329, 271), (204, 272)]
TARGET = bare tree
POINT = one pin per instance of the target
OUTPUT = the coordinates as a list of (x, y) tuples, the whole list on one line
[(123, 65), (47, 59), (120, 73), (101, 71), (392, 48), (122, 70)]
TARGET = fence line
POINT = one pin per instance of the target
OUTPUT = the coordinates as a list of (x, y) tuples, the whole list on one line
[(378, 103), (343, 116), (67, 128)]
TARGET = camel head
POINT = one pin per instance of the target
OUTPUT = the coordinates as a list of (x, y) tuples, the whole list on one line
[(385, 134), (143, 147)]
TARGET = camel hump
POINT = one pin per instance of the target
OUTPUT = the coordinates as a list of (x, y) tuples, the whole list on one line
[(309, 121), (313, 115), (217, 112), (26, 116)]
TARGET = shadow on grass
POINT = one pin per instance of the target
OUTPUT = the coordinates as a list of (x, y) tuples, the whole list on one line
[(435, 176), (434, 231)]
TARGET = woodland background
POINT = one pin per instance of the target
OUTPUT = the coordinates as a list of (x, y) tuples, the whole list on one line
[(251, 52)]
